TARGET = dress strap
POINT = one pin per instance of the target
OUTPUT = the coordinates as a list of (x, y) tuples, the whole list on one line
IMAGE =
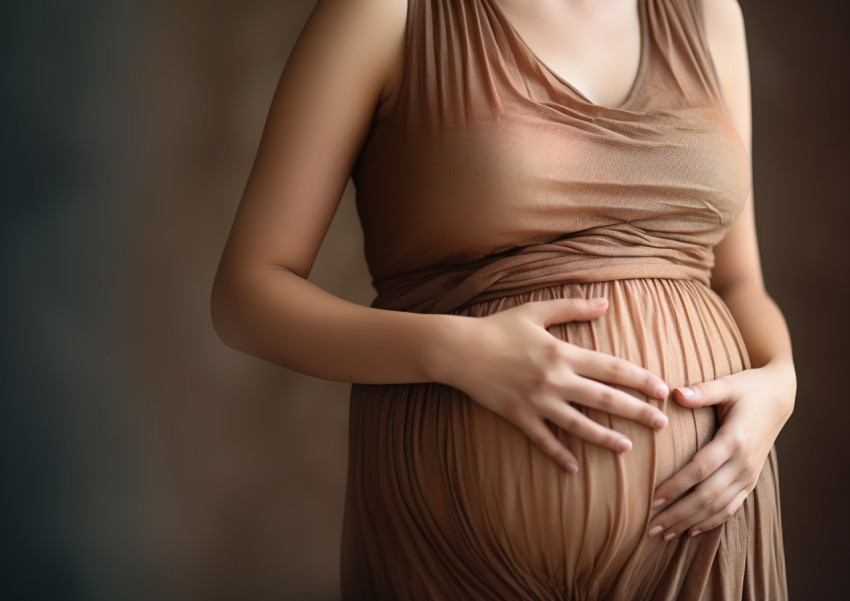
[(693, 31)]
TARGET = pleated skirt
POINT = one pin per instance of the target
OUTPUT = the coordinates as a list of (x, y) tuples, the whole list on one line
[(446, 500)]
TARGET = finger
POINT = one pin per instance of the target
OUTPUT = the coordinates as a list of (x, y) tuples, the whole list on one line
[(707, 499), (720, 517), (543, 437), (616, 402), (607, 368), (560, 310), (712, 392), (576, 423), (702, 465)]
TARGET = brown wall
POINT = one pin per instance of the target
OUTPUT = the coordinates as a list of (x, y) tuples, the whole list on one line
[(147, 460)]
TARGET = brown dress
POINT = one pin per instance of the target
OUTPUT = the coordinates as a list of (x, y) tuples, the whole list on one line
[(493, 183)]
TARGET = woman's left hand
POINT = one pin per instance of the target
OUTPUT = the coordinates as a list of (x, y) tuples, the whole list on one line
[(752, 406)]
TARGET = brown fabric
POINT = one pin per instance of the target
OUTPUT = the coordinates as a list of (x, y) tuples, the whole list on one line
[(493, 183)]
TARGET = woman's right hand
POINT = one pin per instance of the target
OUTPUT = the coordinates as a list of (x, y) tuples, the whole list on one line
[(512, 365)]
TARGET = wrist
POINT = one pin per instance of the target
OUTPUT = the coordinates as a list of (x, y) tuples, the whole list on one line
[(783, 370), (784, 376), (440, 344)]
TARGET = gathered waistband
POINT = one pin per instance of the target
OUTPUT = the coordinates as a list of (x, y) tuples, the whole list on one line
[(597, 258)]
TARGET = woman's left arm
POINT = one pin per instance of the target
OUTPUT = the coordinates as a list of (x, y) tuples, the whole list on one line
[(754, 404)]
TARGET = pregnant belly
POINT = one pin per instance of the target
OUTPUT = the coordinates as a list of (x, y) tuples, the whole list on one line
[(452, 484)]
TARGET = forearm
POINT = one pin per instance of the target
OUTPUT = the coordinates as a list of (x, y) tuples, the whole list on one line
[(762, 327), (279, 316)]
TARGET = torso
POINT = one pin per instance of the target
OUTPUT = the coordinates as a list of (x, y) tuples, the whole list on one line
[(491, 184)]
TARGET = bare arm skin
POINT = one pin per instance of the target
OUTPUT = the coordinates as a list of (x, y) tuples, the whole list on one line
[(753, 405), (342, 70)]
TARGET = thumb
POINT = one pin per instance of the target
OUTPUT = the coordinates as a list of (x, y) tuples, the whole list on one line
[(713, 392), (561, 310)]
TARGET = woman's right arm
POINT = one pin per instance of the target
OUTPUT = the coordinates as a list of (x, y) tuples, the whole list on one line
[(337, 75), (342, 69)]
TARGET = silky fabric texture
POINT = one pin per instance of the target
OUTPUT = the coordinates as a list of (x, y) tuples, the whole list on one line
[(494, 182)]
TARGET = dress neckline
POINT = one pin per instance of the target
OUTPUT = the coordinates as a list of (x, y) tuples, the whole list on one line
[(643, 58)]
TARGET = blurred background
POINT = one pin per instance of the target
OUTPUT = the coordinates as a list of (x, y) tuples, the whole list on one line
[(142, 459)]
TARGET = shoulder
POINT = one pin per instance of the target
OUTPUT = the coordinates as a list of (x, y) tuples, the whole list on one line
[(372, 7), (377, 29), (727, 44), (722, 17), (357, 43), (368, 28), (381, 21), (724, 29)]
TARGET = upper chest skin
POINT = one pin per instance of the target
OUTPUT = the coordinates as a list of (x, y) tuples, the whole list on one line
[(594, 45)]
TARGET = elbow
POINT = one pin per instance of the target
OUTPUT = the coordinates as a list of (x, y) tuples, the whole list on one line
[(730, 287), (792, 389), (224, 313)]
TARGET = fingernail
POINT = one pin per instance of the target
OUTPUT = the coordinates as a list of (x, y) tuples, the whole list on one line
[(662, 391), (658, 503), (624, 445), (572, 468), (599, 302), (695, 532), (659, 421), (655, 530), (668, 536), (688, 393)]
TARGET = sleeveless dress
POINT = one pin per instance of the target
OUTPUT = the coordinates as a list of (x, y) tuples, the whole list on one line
[(493, 183)]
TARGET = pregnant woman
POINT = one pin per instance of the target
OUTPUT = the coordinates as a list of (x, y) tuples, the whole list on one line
[(571, 379)]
